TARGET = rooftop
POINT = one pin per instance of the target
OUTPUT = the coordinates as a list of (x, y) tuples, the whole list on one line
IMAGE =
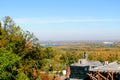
[(85, 62), (112, 67)]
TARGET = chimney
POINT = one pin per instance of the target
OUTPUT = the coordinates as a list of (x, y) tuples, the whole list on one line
[(82, 61), (106, 63), (84, 55)]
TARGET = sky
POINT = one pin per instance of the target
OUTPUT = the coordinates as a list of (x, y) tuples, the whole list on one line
[(57, 20)]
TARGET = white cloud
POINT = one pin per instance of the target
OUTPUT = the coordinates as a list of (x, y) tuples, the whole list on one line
[(49, 21)]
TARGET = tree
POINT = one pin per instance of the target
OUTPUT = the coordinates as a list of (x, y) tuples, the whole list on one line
[(18, 43), (7, 64)]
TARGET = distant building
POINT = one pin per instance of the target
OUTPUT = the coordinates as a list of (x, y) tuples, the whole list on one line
[(108, 43)]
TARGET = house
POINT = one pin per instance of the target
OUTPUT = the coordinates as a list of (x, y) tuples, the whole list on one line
[(95, 70), (80, 69)]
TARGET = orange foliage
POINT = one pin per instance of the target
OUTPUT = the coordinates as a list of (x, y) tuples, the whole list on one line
[(67, 72)]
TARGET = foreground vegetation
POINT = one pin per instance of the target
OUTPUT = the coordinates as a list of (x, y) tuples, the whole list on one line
[(23, 58)]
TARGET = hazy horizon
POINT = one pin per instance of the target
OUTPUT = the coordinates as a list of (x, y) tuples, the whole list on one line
[(57, 20)]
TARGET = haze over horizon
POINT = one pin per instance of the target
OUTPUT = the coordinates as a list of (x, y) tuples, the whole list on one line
[(66, 19)]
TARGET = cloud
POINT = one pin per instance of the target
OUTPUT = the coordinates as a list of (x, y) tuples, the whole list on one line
[(50, 21)]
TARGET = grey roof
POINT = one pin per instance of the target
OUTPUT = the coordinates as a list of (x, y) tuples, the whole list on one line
[(87, 63), (95, 63), (77, 64), (112, 67), (98, 66)]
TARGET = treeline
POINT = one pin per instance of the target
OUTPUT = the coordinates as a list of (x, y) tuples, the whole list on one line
[(102, 54), (23, 58)]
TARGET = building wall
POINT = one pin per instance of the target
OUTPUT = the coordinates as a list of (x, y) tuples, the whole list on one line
[(78, 72)]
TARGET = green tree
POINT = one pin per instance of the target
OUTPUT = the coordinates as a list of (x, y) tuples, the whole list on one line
[(7, 64), (18, 43)]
